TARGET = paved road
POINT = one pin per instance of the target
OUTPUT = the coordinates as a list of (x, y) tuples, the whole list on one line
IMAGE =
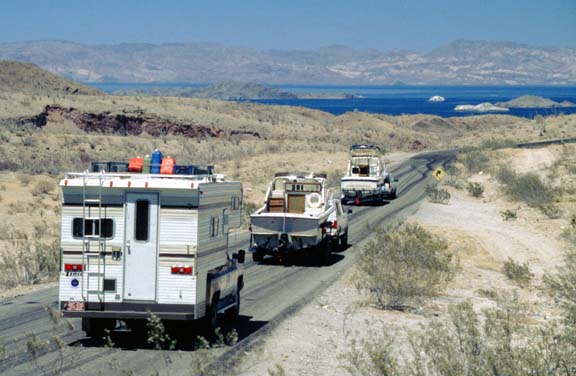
[(272, 292)]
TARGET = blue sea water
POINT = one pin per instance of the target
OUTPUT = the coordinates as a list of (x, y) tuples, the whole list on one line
[(405, 99)]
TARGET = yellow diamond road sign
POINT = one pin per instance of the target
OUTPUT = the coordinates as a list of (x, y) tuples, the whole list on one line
[(438, 173)]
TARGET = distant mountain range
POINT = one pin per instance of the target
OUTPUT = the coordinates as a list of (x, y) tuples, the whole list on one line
[(461, 62)]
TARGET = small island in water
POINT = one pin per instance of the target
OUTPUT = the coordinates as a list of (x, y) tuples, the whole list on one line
[(232, 91), (532, 101)]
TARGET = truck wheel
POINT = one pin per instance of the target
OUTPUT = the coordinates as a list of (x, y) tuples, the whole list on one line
[(235, 311), (96, 328), (344, 240), (212, 314)]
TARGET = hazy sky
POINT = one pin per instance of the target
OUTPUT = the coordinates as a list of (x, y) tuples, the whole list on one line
[(262, 24)]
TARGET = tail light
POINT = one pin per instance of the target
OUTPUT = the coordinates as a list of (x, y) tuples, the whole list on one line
[(181, 269), (335, 224), (73, 267)]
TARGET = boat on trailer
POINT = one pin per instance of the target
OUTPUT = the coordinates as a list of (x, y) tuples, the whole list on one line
[(298, 215), (367, 179)]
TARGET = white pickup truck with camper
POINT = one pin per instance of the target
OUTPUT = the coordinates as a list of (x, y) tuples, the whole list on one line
[(139, 242)]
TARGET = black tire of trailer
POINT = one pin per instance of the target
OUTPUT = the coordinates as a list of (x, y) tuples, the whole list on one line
[(326, 252), (96, 328), (344, 240), (212, 314)]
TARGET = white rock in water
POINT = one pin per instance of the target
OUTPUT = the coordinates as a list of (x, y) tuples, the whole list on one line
[(482, 107), (436, 98)]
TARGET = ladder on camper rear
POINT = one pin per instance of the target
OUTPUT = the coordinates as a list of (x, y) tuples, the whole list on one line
[(93, 260)]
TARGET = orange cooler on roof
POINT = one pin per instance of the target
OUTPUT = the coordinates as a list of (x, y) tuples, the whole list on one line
[(168, 166)]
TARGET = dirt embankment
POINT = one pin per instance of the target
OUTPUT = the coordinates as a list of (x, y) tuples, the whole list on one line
[(133, 124)]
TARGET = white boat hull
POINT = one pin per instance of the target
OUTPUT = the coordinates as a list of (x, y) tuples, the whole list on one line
[(271, 231)]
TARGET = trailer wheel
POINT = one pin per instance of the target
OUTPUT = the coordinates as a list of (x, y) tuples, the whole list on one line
[(96, 328), (344, 240), (326, 252)]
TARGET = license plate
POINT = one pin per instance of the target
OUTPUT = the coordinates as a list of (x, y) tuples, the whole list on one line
[(75, 306)]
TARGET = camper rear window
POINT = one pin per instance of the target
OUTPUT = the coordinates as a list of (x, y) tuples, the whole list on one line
[(91, 227)]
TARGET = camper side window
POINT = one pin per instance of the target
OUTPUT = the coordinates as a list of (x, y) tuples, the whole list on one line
[(214, 224), (92, 226), (236, 203)]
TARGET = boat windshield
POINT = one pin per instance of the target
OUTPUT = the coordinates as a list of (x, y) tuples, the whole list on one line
[(302, 187), (364, 166)]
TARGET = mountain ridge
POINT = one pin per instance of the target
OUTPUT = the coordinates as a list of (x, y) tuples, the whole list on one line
[(460, 62)]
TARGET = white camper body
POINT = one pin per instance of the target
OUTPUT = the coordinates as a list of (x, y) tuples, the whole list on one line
[(133, 243), (366, 179), (297, 212)]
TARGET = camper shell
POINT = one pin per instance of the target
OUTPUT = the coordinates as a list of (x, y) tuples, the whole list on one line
[(300, 214), (367, 179), (137, 243)]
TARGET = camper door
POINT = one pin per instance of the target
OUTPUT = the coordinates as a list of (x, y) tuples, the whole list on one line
[(141, 248)]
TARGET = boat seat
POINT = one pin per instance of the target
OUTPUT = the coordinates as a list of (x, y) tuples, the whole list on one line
[(276, 205)]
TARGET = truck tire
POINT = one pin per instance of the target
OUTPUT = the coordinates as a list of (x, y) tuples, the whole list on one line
[(344, 240), (96, 328), (212, 314), (233, 312)]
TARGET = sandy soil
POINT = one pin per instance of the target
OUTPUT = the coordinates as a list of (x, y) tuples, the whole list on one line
[(313, 341)]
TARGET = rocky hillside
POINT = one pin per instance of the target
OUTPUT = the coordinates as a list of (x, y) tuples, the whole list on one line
[(17, 77), (459, 62)]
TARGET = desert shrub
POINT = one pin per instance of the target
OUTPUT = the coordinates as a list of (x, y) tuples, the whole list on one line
[(436, 194), (24, 179), (509, 215), (404, 267), (474, 161), (29, 262), (454, 182), (551, 211), (519, 273), (499, 341), (157, 335), (43, 187), (488, 293), (475, 189), (505, 175), (569, 234), (247, 209), (372, 356), (563, 286), (493, 143), (530, 189)]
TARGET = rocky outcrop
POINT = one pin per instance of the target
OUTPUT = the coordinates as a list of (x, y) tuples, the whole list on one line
[(532, 101), (132, 124)]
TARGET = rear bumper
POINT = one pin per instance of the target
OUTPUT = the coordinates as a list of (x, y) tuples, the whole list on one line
[(133, 311)]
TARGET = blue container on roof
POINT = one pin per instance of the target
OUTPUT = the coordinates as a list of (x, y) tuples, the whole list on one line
[(156, 162)]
